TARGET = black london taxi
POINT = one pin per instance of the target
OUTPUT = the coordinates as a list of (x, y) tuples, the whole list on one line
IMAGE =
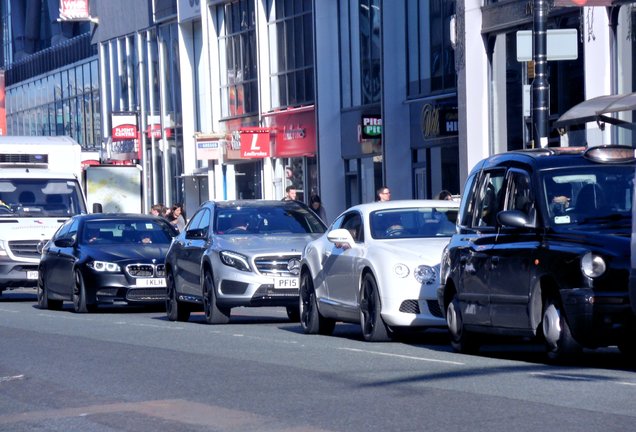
[(542, 249)]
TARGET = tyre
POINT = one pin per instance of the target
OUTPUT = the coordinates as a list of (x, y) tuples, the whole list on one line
[(462, 341), (213, 313), (43, 298), (559, 342), (43, 295), (79, 294), (311, 320), (293, 313), (373, 327), (628, 348), (175, 310)]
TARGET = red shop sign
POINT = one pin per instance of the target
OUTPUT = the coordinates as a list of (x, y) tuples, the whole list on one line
[(255, 143), (295, 134)]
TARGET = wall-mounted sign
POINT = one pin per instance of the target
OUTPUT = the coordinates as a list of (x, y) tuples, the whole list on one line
[(371, 127), (580, 3), (3, 111), (124, 126), (255, 143), (76, 10), (208, 150), (437, 121), (122, 144), (295, 133)]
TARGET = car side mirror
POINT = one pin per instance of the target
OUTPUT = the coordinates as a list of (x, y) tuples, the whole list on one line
[(64, 242), (196, 234), (515, 219), (341, 238)]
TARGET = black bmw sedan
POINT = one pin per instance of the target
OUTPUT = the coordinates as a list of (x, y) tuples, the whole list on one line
[(105, 259)]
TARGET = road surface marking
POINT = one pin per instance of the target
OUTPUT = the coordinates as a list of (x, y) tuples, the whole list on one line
[(426, 359), (11, 378)]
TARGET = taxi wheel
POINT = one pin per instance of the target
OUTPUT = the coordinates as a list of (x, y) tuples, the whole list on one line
[(559, 341), (461, 340), (373, 327), (311, 320), (175, 310), (213, 313)]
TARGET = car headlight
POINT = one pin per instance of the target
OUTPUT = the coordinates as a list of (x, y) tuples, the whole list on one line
[(426, 274), (401, 270), (235, 260), (104, 266), (593, 265)]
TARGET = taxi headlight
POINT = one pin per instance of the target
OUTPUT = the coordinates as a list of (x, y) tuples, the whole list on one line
[(426, 274), (593, 265), (104, 266)]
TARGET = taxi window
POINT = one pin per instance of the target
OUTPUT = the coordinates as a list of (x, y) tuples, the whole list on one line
[(488, 199)]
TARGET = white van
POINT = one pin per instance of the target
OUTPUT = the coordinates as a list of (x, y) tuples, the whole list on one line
[(39, 190)]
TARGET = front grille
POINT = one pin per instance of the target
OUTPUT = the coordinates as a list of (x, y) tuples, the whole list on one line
[(24, 248), (26, 159), (146, 270), (146, 294), (433, 307), (268, 290), (410, 306), (278, 265)]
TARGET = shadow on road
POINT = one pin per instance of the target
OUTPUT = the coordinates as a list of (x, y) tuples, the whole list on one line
[(22, 295)]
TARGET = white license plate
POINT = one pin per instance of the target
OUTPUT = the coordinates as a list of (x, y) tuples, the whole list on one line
[(151, 282), (285, 283), (32, 274)]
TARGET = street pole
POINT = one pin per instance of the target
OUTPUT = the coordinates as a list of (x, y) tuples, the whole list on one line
[(540, 84)]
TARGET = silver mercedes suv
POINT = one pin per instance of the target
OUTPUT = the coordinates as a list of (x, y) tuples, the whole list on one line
[(239, 253)]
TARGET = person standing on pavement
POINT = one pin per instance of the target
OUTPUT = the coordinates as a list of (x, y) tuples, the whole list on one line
[(445, 195), (383, 194), (176, 216), (290, 193), (316, 206)]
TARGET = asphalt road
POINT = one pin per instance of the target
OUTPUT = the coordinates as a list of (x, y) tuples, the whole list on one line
[(124, 369)]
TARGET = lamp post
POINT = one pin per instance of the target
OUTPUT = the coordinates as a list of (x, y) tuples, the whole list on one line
[(540, 84)]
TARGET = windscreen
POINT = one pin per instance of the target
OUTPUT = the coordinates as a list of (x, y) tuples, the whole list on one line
[(40, 198), (129, 231), (593, 194), (266, 220), (413, 222)]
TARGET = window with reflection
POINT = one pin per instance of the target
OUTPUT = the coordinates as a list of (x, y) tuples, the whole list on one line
[(370, 50), (59, 104), (290, 25), (431, 58), (238, 60)]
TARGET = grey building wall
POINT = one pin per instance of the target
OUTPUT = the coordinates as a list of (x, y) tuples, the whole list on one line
[(120, 17), (332, 185)]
